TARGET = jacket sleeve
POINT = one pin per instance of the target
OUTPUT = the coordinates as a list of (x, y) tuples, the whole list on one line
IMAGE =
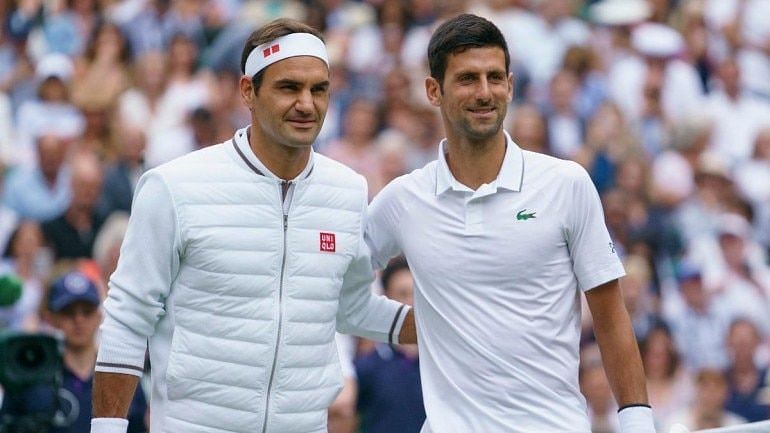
[(361, 312), (148, 263)]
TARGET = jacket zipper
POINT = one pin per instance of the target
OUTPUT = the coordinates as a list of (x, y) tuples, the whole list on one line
[(285, 185)]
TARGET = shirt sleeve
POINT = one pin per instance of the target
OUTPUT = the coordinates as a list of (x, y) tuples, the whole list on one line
[(594, 259), (361, 312), (381, 227), (148, 263)]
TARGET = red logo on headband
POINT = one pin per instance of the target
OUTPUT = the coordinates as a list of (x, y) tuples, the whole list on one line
[(272, 50), (328, 242)]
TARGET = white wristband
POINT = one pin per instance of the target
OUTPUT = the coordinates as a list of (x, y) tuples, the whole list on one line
[(636, 419), (109, 425)]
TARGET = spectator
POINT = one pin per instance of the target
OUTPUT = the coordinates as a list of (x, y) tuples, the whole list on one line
[(565, 126), (102, 72), (26, 258), (52, 111), (72, 233), (707, 410), (121, 177), (356, 148), (41, 192), (107, 244), (676, 81), (750, 180), (747, 380), (390, 398), (737, 115), (72, 307), (596, 389), (528, 129), (638, 296), (700, 328), (669, 385)]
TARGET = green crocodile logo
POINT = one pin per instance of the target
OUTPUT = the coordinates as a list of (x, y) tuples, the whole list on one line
[(522, 216)]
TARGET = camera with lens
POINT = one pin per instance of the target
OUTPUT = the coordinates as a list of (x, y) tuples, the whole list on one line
[(28, 361)]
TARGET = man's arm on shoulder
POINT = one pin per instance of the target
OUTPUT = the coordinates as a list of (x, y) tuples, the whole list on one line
[(361, 312), (620, 354), (148, 263)]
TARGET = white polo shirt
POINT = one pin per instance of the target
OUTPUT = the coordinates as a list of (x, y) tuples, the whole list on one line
[(497, 276)]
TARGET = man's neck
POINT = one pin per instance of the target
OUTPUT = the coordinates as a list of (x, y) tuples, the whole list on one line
[(475, 163), (80, 361), (283, 161)]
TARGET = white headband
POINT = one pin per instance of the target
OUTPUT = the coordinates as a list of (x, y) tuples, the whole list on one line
[(291, 45)]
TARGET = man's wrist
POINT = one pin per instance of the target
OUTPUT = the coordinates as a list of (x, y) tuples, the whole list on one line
[(636, 418), (109, 425)]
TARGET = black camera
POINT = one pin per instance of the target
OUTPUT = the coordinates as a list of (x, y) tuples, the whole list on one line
[(26, 361), (29, 359)]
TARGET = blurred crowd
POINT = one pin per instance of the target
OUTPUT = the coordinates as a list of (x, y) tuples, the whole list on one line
[(666, 103)]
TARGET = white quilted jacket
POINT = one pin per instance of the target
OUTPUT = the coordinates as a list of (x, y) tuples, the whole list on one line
[(239, 289)]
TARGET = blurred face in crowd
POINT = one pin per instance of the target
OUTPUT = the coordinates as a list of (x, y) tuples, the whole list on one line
[(109, 43), (658, 355), (475, 93), (401, 287), (361, 121), (151, 73), (563, 87), (28, 240), (742, 342), (53, 89), (762, 145), (183, 53), (733, 248), (711, 394), (51, 151), (79, 322), (635, 283), (593, 381), (289, 107), (528, 128), (730, 76), (86, 182), (133, 143), (694, 294)]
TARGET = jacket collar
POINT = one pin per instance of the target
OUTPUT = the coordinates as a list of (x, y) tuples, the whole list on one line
[(243, 149)]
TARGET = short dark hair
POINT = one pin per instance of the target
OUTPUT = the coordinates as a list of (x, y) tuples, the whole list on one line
[(459, 34), (269, 32), (397, 264)]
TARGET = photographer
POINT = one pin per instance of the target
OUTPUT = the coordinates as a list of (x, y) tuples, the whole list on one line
[(72, 307)]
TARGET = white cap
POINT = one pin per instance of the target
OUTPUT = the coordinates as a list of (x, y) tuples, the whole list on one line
[(657, 40), (54, 65), (619, 12)]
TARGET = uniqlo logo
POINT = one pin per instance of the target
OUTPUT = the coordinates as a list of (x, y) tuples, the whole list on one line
[(272, 50), (328, 243)]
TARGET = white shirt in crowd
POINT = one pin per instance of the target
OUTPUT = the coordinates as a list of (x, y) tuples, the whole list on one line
[(681, 95), (736, 124), (498, 274)]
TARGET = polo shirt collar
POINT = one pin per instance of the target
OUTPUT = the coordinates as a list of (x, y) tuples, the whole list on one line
[(510, 177), (242, 147)]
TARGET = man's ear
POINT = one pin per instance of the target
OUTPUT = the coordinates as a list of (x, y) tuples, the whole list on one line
[(247, 91), (433, 91)]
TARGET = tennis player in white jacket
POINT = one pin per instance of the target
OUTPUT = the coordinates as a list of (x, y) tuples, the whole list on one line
[(239, 263)]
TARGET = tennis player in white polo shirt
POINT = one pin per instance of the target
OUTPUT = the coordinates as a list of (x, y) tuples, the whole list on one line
[(501, 242)]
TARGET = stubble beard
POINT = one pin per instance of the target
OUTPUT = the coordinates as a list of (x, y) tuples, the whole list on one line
[(480, 133)]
